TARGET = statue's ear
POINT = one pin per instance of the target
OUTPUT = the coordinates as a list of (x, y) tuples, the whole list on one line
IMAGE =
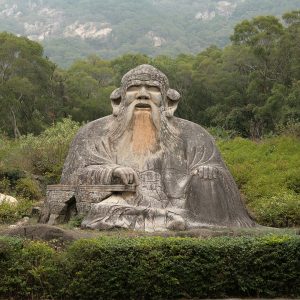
[(115, 98), (173, 98)]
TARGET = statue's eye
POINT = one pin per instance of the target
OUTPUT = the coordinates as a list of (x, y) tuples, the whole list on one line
[(153, 89), (133, 88)]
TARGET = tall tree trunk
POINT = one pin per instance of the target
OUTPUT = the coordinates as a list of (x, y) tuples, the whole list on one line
[(16, 129)]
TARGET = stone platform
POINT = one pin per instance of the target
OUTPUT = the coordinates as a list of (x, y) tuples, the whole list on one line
[(62, 201)]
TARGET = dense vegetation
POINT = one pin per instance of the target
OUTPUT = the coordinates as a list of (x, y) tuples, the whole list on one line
[(152, 268), (71, 30), (251, 87), (268, 176)]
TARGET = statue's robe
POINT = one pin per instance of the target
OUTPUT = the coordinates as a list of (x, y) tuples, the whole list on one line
[(168, 194)]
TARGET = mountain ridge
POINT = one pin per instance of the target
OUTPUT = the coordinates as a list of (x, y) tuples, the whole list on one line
[(110, 28)]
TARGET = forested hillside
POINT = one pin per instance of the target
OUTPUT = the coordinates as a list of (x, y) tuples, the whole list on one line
[(251, 87), (74, 29)]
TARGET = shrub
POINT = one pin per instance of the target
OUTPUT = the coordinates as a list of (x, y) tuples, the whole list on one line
[(279, 211), (293, 181), (44, 154), (267, 173), (221, 133), (30, 270), (28, 188), (75, 221), (5, 186), (291, 128), (152, 268), (48, 151), (12, 213)]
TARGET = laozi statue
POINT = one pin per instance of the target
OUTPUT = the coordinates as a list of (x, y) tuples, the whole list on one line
[(141, 168)]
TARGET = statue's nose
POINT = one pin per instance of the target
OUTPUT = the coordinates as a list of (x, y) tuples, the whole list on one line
[(143, 94)]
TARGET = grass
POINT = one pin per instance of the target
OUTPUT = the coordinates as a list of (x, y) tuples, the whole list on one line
[(267, 173)]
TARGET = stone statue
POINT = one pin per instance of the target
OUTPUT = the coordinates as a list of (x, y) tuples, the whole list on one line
[(141, 168)]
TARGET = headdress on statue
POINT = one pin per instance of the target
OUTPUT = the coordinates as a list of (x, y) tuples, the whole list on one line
[(146, 74)]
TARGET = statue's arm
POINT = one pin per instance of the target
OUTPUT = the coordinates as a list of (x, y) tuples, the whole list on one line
[(105, 173), (91, 160), (213, 195), (205, 160), (101, 166), (207, 165), (97, 174)]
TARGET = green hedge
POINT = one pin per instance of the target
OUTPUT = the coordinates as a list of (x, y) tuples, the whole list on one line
[(151, 268)]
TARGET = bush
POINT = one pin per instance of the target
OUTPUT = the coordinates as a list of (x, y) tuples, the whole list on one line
[(48, 151), (15, 182), (30, 270), (152, 268), (12, 213), (279, 211), (291, 128), (41, 155), (267, 173), (28, 188), (221, 133), (5, 186), (75, 221)]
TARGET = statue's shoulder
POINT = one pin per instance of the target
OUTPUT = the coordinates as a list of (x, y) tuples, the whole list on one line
[(191, 130), (99, 126)]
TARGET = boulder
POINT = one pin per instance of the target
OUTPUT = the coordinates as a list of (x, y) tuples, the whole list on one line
[(42, 232), (8, 199)]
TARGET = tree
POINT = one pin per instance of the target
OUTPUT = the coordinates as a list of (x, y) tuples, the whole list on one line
[(24, 84)]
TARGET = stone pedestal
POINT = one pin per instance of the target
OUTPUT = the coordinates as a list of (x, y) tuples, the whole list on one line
[(62, 199)]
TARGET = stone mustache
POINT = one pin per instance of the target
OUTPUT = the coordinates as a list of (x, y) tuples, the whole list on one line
[(141, 168)]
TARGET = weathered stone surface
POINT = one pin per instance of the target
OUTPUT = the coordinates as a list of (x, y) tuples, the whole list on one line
[(41, 232), (144, 169), (20, 223), (57, 204), (8, 199)]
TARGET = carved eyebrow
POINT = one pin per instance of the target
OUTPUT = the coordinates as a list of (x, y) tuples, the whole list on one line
[(132, 87), (146, 85), (151, 85), (154, 86)]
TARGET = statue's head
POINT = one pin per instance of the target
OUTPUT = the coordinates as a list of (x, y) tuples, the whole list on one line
[(145, 88), (142, 106)]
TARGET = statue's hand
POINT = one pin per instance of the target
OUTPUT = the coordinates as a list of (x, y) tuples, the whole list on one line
[(127, 174), (205, 172)]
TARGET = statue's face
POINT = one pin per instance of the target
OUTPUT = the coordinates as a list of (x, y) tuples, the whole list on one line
[(143, 97), (142, 102)]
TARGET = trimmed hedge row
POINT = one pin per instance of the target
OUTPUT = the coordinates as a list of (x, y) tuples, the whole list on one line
[(151, 268)]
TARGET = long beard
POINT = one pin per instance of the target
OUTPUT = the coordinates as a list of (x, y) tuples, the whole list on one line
[(143, 131), (145, 135)]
